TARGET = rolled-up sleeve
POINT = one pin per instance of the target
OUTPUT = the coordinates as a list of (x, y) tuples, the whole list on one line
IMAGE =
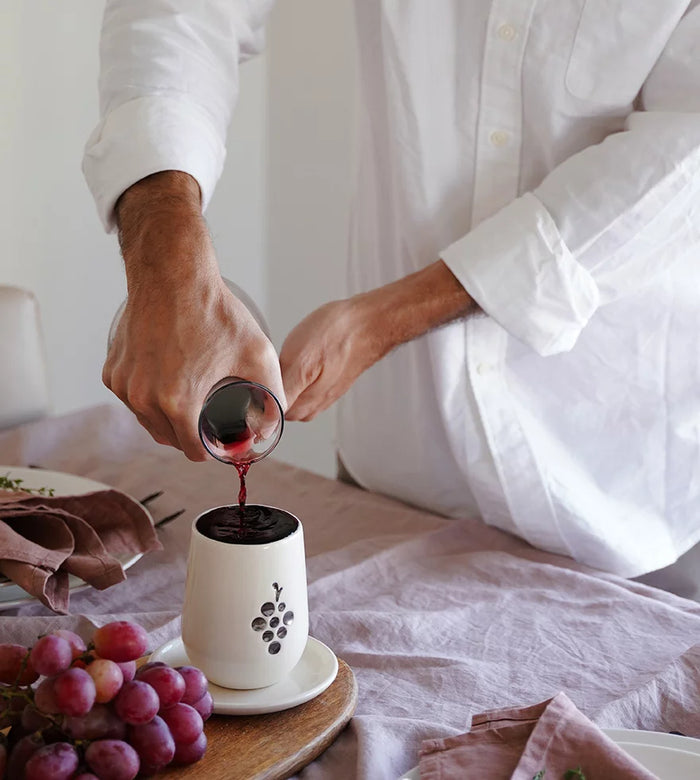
[(599, 225), (168, 84), (516, 266)]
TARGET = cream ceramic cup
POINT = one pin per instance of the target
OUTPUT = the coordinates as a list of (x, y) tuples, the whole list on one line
[(245, 618)]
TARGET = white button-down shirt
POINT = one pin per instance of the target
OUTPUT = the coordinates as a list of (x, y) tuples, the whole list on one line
[(549, 152)]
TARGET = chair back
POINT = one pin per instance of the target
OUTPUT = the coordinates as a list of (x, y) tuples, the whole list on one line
[(24, 393)]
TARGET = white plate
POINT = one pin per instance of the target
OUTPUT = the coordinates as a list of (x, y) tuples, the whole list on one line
[(668, 756), (310, 677), (12, 595)]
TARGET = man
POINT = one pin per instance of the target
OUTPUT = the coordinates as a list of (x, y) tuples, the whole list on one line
[(521, 338)]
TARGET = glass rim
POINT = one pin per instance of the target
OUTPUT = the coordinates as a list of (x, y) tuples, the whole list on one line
[(223, 385)]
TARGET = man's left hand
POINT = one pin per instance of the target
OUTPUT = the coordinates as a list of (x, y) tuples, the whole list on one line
[(330, 348), (325, 353)]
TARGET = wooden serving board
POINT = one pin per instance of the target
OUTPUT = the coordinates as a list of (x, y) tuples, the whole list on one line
[(277, 745)]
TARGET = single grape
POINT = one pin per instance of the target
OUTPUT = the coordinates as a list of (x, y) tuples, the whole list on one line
[(14, 669), (77, 645), (20, 753), (136, 703), (52, 762), (120, 641), (45, 697), (188, 754), (108, 679), (75, 692), (33, 720), (51, 655), (100, 723), (166, 682), (112, 759), (128, 669), (153, 742), (184, 722), (195, 683), (204, 706)]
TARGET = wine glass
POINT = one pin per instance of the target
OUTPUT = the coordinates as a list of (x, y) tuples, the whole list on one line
[(241, 421)]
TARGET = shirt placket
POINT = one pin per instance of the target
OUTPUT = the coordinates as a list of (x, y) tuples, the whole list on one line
[(499, 135), (514, 492)]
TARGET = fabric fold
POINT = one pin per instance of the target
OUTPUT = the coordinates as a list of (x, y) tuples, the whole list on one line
[(552, 739), (44, 539)]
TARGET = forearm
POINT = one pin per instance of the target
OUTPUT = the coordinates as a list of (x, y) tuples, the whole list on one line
[(162, 231), (169, 80), (409, 307)]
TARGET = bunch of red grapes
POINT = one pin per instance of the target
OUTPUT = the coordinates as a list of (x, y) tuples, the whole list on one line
[(81, 712)]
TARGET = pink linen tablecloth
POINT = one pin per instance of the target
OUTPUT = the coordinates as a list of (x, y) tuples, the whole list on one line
[(439, 619)]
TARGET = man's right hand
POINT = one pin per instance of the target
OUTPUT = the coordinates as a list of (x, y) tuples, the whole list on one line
[(182, 329)]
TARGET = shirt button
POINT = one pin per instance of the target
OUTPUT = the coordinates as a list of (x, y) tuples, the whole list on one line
[(499, 138), (483, 368), (507, 32)]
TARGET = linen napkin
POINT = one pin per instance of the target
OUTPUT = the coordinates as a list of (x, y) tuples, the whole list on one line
[(44, 539), (552, 740)]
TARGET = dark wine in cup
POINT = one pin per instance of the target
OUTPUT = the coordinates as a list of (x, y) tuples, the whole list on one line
[(250, 524)]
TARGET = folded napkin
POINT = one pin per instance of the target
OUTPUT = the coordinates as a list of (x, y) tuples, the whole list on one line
[(44, 539), (548, 741)]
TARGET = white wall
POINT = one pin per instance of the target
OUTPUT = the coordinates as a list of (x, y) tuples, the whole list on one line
[(51, 241), (272, 220), (311, 77)]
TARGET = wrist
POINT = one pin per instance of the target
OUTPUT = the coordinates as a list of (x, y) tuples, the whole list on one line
[(160, 193), (156, 203), (163, 236), (406, 309)]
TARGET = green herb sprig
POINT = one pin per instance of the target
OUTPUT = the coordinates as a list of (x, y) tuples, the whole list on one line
[(570, 774), (17, 485)]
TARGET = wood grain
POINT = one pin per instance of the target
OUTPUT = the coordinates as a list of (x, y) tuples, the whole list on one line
[(277, 745)]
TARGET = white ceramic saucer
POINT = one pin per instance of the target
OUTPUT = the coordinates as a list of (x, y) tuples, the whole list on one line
[(311, 676)]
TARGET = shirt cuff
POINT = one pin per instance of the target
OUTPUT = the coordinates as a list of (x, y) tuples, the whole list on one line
[(516, 266), (145, 136)]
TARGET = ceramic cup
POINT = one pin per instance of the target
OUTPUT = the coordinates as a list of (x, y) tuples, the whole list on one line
[(245, 618)]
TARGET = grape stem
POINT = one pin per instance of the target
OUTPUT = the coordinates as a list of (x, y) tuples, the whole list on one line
[(15, 691), (22, 668), (278, 590)]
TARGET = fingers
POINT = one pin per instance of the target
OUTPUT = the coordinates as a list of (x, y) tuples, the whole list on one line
[(295, 389), (160, 429), (172, 421), (309, 392), (181, 411), (308, 405)]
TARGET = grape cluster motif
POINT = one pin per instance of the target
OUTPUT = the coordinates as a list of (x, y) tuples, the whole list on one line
[(273, 622)]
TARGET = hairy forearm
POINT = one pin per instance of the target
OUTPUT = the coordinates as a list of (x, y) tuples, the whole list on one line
[(162, 230), (418, 303)]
